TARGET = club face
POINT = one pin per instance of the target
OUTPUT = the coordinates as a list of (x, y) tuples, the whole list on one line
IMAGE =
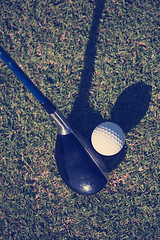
[(76, 167)]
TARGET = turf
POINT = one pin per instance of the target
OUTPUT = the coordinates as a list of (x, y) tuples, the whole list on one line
[(96, 61)]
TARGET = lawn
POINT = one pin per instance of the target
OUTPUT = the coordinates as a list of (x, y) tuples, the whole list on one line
[(96, 61)]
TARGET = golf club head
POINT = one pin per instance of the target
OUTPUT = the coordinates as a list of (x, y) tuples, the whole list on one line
[(77, 167)]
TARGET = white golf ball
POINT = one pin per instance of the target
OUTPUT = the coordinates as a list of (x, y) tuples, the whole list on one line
[(108, 138)]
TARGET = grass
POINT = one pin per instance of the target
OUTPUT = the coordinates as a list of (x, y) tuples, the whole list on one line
[(100, 59)]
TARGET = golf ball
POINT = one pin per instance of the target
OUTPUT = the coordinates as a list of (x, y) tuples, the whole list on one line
[(108, 138)]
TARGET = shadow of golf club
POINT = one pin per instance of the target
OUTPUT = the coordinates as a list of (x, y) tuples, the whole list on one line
[(83, 117), (129, 109)]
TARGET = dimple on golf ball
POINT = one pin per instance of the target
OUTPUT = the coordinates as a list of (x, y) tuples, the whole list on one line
[(108, 138)]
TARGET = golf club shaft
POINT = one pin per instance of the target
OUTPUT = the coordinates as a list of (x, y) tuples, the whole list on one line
[(63, 126), (49, 107)]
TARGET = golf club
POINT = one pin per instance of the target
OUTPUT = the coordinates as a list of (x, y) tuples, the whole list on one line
[(80, 167)]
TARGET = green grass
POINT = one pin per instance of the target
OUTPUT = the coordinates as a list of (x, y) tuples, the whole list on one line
[(54, 43)]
